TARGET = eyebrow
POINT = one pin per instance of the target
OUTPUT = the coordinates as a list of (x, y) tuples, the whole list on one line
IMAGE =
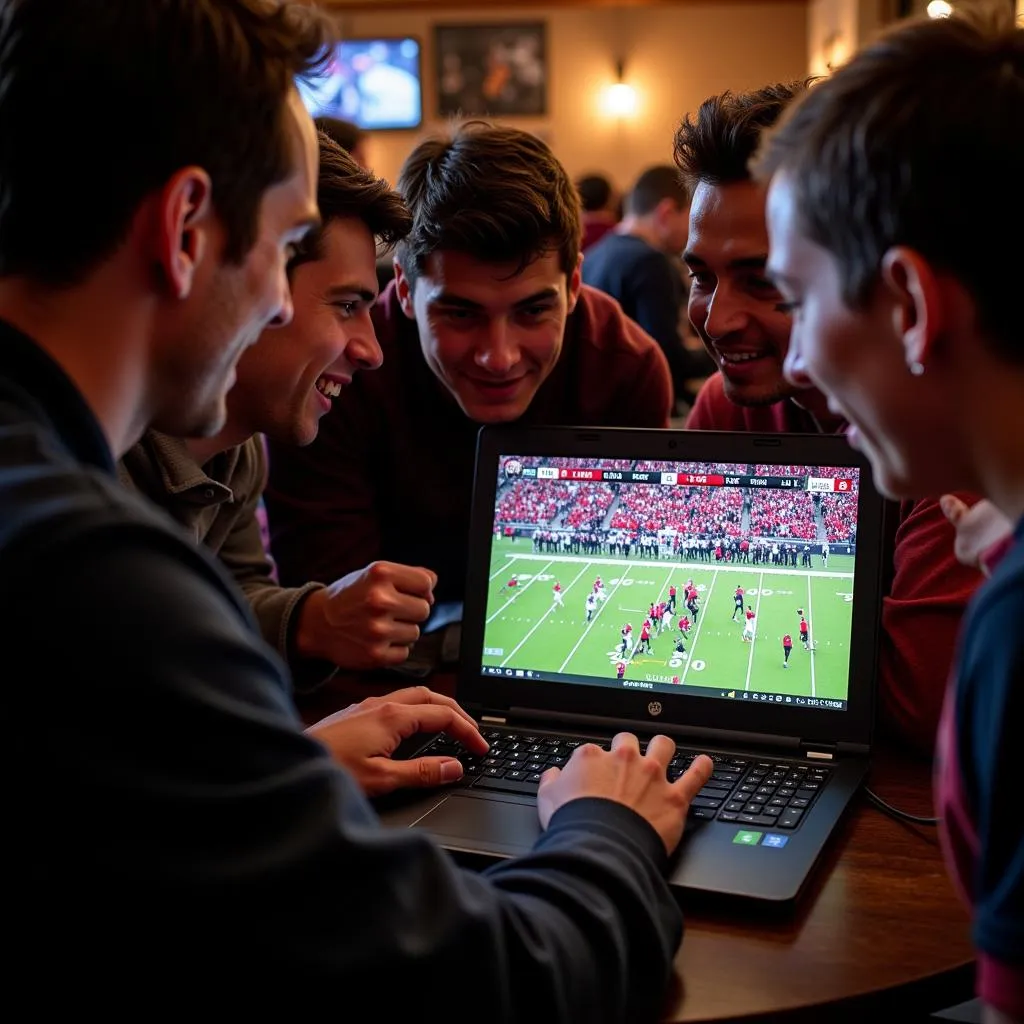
[(743, 263), (346, 291), (448, 299)]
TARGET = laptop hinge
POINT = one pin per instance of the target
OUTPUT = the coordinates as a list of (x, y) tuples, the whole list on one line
[(691, 735)]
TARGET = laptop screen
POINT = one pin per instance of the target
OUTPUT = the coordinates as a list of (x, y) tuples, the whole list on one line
[(725, 580)]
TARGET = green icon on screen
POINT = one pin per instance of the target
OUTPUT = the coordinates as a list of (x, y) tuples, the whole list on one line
[(747, 838)]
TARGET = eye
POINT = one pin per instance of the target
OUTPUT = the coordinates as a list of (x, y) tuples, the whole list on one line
[(534, 312), (347, 307), (700, 278), (788, 308)]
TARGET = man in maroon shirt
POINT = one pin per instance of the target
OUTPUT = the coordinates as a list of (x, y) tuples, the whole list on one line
[(486, 322), (745, 326)]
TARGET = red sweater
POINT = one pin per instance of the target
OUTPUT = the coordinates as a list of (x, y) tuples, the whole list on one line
[(391, 473), (928, 589)]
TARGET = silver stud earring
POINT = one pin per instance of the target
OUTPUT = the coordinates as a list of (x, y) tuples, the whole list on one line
[(916, 368)]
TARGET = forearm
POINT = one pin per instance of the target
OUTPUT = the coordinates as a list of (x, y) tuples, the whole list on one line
[(280, 612)]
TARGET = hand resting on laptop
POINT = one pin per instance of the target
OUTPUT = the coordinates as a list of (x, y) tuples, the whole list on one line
[(363, 736), (628, 777)]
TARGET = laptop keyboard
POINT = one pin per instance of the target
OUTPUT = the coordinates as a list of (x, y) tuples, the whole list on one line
[(742, 790)]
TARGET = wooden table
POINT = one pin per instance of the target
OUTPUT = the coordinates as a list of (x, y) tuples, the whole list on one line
[(880, 929)]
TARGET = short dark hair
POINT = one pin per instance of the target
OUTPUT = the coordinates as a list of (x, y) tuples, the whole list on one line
[(878, 151), (344, 189), (491, 191), (346, 134), (654, 185), (595, 192), (715, 145), (212, 76)]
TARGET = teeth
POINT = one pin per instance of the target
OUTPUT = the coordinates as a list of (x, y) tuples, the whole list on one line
[(740, 357), (330, 388)]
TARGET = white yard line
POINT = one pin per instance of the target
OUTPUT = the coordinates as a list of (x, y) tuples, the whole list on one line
[(542, 618), (518, 591), (509, 560), (757, 612), (590, 625), (810, 639), (693, 647), (743, 570)]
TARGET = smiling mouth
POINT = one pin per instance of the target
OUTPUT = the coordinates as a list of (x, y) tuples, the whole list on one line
[(330, 387), (495, 385), (739, 358)]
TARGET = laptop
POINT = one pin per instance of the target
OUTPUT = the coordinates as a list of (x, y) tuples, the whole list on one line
[(721, 588)]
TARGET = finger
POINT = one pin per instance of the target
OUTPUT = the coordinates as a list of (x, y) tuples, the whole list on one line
[(547, 778), (953, 508), (410, 609), (425, 695), (662, 749), (411, 579), (428, 771), (404, 633), (413, 718), (693, 780), (625, 741)]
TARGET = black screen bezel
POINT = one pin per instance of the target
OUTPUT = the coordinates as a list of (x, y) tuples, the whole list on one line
[(683, 711)]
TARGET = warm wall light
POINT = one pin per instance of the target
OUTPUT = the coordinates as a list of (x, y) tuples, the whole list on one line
[(620, 98), (939, 9)]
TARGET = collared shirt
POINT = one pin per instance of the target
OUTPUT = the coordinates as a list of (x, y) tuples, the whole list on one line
[(217, 503)]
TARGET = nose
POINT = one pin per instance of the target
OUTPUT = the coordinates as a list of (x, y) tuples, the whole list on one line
[(499, 353), (725, 313), (285, 309), (364, 351), (793, 367)]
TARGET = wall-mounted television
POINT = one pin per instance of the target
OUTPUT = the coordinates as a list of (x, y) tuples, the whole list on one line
[(377, 83)]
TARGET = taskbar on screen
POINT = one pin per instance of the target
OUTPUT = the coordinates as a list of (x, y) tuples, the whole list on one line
[(669, 685)]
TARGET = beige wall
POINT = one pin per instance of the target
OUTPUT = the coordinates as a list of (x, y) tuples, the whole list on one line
[(836, 28), (675, 56)]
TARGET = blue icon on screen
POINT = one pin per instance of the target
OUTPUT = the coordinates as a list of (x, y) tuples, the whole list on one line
[(774, 839)]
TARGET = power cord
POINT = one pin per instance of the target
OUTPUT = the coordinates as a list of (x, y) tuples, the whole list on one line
[(895, 812)]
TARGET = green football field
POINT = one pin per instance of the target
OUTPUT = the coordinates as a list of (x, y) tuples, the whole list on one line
[(527, 630)]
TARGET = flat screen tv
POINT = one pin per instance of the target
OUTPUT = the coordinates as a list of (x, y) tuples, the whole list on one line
[(376, 83)]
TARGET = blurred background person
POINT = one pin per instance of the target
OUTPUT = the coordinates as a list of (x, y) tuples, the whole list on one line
[(347, 134), (639, 263), (600, 207)]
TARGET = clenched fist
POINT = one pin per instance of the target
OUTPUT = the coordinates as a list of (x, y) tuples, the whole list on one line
[(369, 618)]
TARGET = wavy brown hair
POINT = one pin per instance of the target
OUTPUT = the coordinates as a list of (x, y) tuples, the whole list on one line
[(493, 192), (149, 87), (917, 142)]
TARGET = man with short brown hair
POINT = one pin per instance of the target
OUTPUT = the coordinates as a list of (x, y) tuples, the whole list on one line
[(486, 322)]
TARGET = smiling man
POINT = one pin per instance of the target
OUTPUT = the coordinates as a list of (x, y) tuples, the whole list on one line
[(486, 322), (284, 385), (745, 325)]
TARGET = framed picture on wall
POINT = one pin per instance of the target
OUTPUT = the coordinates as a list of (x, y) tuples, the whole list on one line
[(496, 70)]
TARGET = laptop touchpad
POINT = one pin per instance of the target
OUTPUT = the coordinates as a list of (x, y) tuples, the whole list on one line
[(491, 825)]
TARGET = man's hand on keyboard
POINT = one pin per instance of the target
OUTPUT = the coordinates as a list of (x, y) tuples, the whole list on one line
[(625, 775), (363, 736)]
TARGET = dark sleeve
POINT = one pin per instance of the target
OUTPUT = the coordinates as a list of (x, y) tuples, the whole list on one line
[(178, 802), (989, 711), (656, 299), (321, 498)]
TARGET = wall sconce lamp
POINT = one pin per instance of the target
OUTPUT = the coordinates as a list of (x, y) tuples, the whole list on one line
[(620, 97)]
